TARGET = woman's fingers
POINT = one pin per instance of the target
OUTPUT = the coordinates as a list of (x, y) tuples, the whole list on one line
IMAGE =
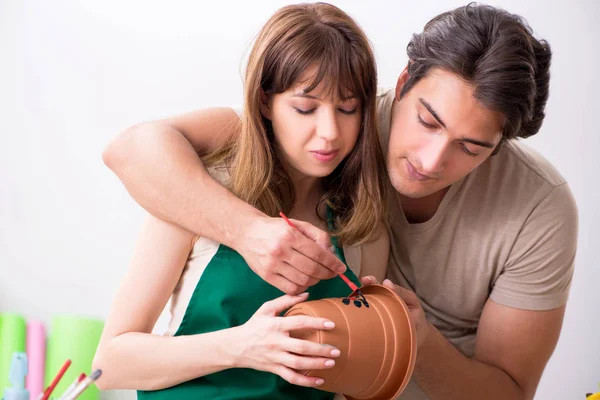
[(308, 348), (295, 322), (280, 304), (296, 378), (301, 363)]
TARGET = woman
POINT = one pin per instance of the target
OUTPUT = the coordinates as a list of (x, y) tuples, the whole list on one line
[(308, 148)]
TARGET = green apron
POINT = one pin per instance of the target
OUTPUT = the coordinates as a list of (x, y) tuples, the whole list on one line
[(227, 295)]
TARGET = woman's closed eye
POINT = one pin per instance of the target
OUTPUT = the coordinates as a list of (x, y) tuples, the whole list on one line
[(312, 110), (304, 111), (348, 111)]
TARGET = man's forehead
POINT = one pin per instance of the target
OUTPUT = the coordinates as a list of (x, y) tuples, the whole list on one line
[(453, 101), (442, 82)]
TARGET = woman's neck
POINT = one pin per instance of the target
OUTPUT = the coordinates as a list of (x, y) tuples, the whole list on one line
[(308, 194), (308, 191)]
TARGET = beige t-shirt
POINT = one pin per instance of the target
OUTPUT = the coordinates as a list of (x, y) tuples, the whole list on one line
[(507, 231)]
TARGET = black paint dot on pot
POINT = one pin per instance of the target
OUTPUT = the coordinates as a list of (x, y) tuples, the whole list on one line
[(346, 301)]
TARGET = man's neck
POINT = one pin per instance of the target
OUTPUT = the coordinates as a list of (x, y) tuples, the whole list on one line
[(422, 209)]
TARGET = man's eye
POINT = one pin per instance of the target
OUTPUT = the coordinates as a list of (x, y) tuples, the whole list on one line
[(425, 124), (467, 151)]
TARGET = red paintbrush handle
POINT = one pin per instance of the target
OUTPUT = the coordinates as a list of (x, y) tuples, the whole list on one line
[(348, 282), (57, 378)]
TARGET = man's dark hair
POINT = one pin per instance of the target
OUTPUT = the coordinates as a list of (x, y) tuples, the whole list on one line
[(494, 51)]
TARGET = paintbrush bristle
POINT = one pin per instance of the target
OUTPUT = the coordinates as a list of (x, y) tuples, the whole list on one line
[(96, 374)]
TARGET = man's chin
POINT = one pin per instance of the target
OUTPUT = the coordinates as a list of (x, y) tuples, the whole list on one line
[(405, 191), (412, 192)]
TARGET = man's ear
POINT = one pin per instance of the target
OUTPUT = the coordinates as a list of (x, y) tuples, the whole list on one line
[(265, 107), (402, 79)]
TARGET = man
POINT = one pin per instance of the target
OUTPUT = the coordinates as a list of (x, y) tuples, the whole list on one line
[(483, 230)]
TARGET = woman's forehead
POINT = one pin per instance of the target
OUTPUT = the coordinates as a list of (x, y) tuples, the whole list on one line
[(320, 84)]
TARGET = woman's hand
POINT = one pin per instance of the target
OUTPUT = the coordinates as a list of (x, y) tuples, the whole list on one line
[(264, 343)]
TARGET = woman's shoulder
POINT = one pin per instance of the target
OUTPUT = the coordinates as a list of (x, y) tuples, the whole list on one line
[(369, 258)]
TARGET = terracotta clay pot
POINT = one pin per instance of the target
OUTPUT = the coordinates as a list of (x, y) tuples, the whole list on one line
[(377, 341)]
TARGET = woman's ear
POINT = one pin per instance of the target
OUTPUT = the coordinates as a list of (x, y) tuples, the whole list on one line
[(265, 107)]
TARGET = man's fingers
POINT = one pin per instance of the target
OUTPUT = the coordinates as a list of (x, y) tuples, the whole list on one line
[(408, 296), (320, 253), (390, 284), (320, 237), (310, 249), (309, 268), (368, 280), (284, 284), (292, 274)]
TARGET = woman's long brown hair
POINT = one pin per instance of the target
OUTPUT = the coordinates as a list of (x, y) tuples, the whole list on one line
[(296, 38)]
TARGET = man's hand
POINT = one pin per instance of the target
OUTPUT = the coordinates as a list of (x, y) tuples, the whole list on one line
[(417, 314), (289, 259), (512, 348)]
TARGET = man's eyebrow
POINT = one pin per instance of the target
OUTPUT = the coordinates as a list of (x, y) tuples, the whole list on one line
[(479, 142), (432, 111)]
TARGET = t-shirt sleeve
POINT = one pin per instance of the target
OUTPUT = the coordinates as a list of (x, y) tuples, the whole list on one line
[(385, 100), (538, 272)]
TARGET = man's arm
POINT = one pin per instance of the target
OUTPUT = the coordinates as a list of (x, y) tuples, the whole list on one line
[(159, 165), (513, 347), (520, 322)]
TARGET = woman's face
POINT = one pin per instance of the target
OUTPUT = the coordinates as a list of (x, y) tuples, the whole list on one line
[(313, 133)]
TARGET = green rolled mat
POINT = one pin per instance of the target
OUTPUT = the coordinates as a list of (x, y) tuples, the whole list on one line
[(13, 332), (74, 338)]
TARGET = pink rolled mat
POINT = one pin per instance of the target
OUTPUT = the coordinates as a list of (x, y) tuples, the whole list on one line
[(36, 356)]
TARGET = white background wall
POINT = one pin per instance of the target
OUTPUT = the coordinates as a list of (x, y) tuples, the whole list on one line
[(73, 74)]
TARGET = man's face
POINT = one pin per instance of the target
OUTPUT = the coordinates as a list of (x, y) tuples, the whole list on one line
[(439, 133)]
